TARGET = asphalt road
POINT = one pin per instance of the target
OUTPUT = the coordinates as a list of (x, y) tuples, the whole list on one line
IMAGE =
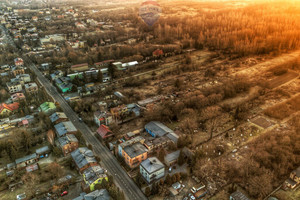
[(126, 184)]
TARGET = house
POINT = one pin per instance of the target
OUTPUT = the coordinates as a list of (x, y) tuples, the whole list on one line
[(156, 143), (58, 117), (17, 97), (83, 158), (151, 100), (68, 144), (17, 70), (157, 129), (14, 87), (237, 195), (31, 88), (93, 176), (95, 195), (64, 128), (172, 158), (45, 66), (152, 169), (23, 78), (294, 180), (56, 74), (104, 118), (19, 61), (47, 108), (129, 142), (51, 136), (134, 154), (80, 67), (63, 84), (104, 132), (42, 152), (118, 111), (8, 108), (27, 160)]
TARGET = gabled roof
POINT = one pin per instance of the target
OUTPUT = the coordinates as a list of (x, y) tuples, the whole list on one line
[(93, 173), (83, 156), (67, 139), (104, 131), (135, 150), (26, 158), (152, 165), (57, 115), (158, 128), (64, 128), (11, 107), (237, 195)]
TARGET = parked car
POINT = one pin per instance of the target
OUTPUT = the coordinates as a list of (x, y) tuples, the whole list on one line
[(21, 196), (170, 169), (64, 193)]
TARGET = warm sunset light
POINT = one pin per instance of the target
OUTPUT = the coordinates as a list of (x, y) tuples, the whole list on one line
[(150, 99)]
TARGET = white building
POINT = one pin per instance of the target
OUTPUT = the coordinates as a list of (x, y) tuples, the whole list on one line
[(152, 169)]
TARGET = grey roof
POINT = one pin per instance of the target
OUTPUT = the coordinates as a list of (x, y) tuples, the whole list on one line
[(80, 197), (64, 128), (152, 165), (83, 156), (42, 150), (291, 181), (91, 174), (237, 195), (135, 149), (132, 141), (173, 136), (57, 115), (11, 165), (158, 128), (67, 139), (297, 172), (26, 158), (98, 195), (172, 156)]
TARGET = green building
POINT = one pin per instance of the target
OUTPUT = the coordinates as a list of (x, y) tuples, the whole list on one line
[(47, 108)]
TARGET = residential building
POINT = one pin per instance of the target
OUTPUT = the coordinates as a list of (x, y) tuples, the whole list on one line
[(294, 180), (58, 117), (19, 61), (14, 87), (152, 169), (104, 132), (31, 88), (23, 78), (156, 143), (172, 158), (68, 144), (129, 142), (104, 118), (83, 158), (118, 111), (17, 97), (237, 195), (93, 176), (17, 70), (102, 64), (157, 129), (8, 108), (95, 195), (63, 84), (157, 53), (47, 108), (134, 154), (64, 128), (56, 74), (72, 97)]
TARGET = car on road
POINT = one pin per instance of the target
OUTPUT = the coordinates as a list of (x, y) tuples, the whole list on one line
[(170, 169), (64, 193), (21, 196)]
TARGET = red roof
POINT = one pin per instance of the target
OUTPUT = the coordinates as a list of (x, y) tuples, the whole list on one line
[(104, 131), (11, 107), (158, 52), (106, 61), (79, 65)]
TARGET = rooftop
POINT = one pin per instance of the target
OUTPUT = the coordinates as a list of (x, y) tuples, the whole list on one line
[(152, 165), (92, 174), (158, 128), (57, 115), (64, 128), (26, 158), (135, 150), (83, 156), (67, 139), (42, 150), (237, 195), (172, 156)]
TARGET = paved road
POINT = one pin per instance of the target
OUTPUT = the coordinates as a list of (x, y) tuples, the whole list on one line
[(131, 191)]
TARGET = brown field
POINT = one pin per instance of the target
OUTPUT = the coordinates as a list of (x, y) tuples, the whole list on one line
[(282, 79)]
